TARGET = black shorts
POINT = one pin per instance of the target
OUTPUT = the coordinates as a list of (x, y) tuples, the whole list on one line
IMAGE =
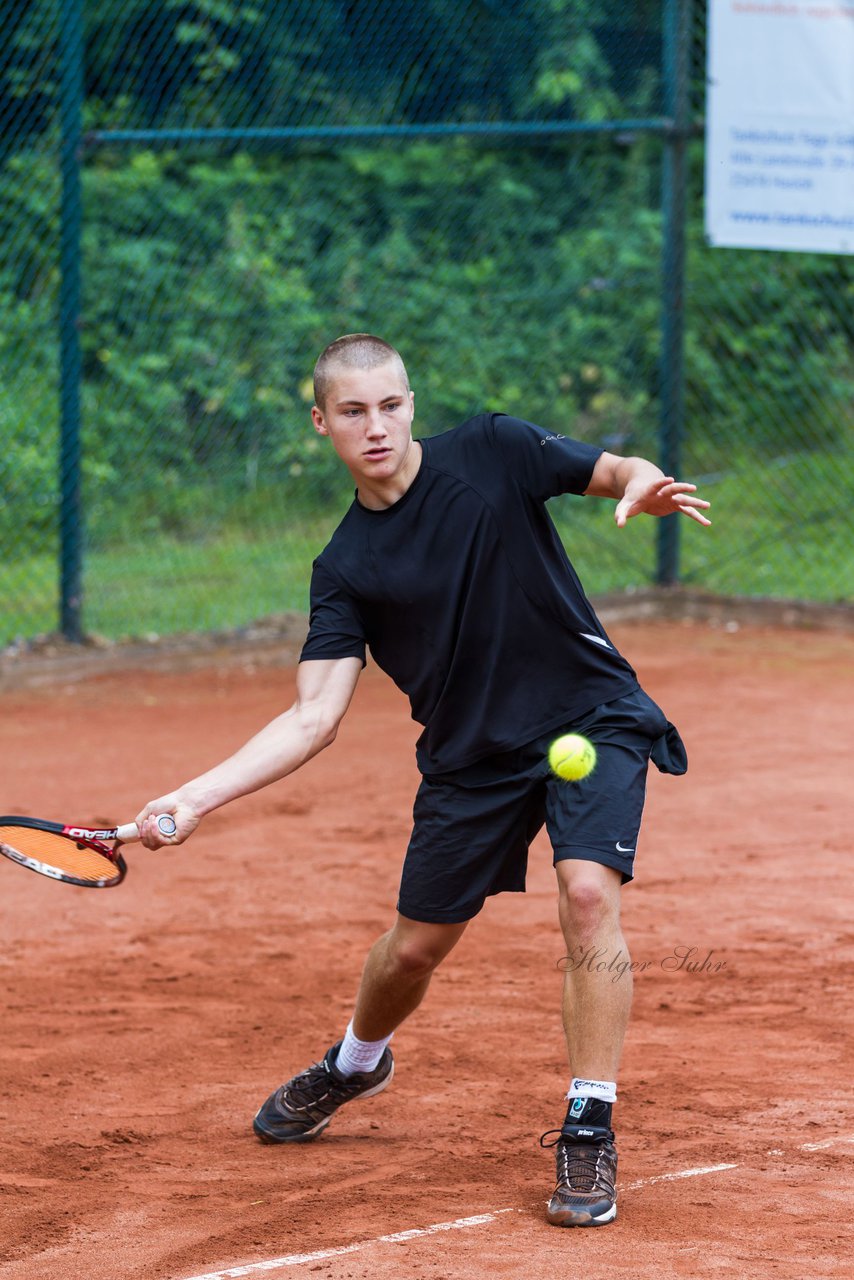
[(472, 827)]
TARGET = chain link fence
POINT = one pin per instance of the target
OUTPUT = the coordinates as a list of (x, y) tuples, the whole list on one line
[(479, 182)]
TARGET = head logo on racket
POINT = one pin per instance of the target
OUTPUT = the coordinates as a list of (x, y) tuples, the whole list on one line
[(75, 855)]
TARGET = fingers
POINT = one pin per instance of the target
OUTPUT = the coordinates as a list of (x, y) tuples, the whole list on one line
[(149, 832), (694, 513), (676, 488), (663, 497), (682, 496), (640, 497), (621, 512)]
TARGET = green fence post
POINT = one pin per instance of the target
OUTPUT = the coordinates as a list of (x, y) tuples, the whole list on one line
[(71, 142), (677, 47)]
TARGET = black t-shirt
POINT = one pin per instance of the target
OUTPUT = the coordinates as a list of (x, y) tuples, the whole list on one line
[(465, 595)]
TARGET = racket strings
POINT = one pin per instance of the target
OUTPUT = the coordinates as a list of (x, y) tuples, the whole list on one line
[(62, 853)]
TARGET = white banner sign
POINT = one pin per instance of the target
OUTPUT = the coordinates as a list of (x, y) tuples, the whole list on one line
[(780, 126)]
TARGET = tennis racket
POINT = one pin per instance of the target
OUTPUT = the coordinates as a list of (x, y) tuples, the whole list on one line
[(77, 855)]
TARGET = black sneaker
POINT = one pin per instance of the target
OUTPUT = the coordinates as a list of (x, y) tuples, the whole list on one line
[(585, 1195), (301, 1109)]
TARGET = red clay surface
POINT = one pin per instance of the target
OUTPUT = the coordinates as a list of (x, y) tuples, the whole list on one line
[(143, 1025)]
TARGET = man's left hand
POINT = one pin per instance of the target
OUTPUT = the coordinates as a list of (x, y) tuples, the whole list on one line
[(661, 497)]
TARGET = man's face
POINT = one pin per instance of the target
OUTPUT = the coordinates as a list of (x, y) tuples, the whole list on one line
[(368, 417)]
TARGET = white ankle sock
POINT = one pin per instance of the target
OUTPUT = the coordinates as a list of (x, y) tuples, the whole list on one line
[(604, 1090), (359, 1055)]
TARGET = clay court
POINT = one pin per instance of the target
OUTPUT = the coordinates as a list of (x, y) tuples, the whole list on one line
[(143, 1025)]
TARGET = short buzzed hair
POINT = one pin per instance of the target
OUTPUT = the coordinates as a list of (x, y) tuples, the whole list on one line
[(353, 351)]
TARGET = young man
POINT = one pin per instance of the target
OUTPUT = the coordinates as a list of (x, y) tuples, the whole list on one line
[(448, 566)]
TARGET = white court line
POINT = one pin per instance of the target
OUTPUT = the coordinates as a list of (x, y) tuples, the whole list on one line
[(476, 1220), (828, 1142), (294, 1259), (683, 1173)]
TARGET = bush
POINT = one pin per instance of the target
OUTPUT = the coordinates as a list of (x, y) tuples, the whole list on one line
[(525, 280)]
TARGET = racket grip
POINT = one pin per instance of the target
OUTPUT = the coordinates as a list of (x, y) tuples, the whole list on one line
[(130, 831)]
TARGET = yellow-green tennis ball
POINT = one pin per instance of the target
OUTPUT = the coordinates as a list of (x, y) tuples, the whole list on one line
[(572, 757)]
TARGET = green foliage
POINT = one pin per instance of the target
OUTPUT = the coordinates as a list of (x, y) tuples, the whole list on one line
[(220, 64), (524, 281), (523, 278)]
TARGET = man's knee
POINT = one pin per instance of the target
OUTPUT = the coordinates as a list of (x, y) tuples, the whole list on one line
[(589, 898), (415, 949)]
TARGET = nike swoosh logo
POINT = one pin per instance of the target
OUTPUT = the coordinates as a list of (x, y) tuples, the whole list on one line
[(585, 635), (620, 849)]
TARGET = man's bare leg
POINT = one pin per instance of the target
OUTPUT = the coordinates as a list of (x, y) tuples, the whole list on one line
[(395, 978), (596, 1001), (397, 974)]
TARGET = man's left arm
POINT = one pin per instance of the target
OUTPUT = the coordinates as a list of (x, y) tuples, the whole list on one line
[(641, 487)]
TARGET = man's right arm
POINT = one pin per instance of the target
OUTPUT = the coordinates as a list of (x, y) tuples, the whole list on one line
[(324, 690)]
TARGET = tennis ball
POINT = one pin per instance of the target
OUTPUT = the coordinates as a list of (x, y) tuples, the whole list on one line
[(572, 757)]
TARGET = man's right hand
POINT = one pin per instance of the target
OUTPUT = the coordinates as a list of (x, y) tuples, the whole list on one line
[(186, 821)]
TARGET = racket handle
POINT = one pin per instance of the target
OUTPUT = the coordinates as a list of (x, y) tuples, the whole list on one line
[(130, 831)]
